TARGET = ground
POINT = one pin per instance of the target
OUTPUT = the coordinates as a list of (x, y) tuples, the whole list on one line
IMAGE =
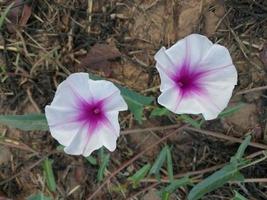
[(42, 42)]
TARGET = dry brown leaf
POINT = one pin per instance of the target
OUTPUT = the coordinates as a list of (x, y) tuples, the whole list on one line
[(99, 57), (26, 14), (19, 14)]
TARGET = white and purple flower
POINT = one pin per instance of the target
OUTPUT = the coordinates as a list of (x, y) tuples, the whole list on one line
[(197, 76), (83, 115)]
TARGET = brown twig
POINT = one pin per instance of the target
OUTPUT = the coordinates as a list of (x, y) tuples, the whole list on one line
[(157, 128), (252, 90), (226, 137)]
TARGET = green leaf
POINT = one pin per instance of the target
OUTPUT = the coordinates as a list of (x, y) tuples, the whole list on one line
[(174, 185), (159, 112), (238, 196), (136, 102), (104, 160), (4, 14), (165, 196), (38, 196), (216, 180), (241, 150), (49, 175), (155, 169), (230, 111), (169, 165), (91, 160), (188, 119), (139, 175), (28, 122)]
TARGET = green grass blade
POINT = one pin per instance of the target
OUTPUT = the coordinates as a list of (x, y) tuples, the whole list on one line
[(139, 175), (28, 122), (155, 169), (174, 185), (216, 180), (188, 119), (39, 196), (169, 165), (49, 175), (104, 158), (238, 196), (241, 150), (230, 111), (4, 14), (159, 112), (91, 160)]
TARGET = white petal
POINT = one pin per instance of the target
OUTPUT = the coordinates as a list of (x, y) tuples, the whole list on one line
[(106, 90), (105, 135), (166, 81), (115, 102), (218, 57), (113, 118), (164, 62), (191, 49), (218, 97), (62, 124), (79, 143), (172, 100), (78, 82)]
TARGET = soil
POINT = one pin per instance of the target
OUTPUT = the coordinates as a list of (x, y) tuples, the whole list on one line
[(44, 41)]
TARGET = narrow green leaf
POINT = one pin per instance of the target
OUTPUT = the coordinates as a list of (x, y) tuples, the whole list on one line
[(216, 180), (159, 112), (169, 165), (230, 111), (238, 196), (38, 196), (191, 121), (174, 185), (136, 102), (28, 122), (241, 150), (104, 158), (139, 175), (4, 14), (49, 175), (165, 196), (155, 169), (91, 160)]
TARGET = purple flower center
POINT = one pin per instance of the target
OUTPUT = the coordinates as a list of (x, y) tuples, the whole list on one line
[(91, 113), (188, 81)]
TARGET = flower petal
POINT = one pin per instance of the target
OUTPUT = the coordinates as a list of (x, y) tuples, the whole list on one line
[(105, 90), (166, 81), (164, 62), (62, 124), (218, 57), (104, 136), (173, 100), (189, 50), (78, 82)]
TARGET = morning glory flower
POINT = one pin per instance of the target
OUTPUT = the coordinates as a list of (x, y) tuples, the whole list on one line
[(83, 115), (196, 75)]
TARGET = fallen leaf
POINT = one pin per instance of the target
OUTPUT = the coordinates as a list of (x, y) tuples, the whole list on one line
[(99, 57), (26, 14), (18, 15)]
